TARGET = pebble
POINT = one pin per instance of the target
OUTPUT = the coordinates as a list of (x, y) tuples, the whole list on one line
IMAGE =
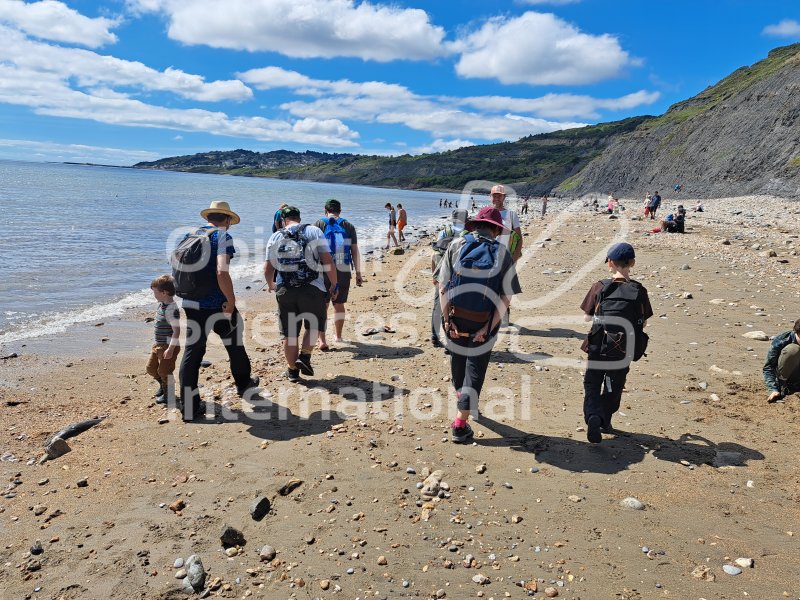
[(267, 553), (411, 471), (508, 486), (231, 536), (178, 505), (731, 570), (382, 561), (37, 549), (39, 509), (480, 469), (180, 573), (82, 482), (260, 508), (406, 583), (178, 563), (745, 563), (534, 469), (480, 579), (231, 552), (195, 575), (324, 584), (574, 498), (350, 571), (550, 592), (633, 503)]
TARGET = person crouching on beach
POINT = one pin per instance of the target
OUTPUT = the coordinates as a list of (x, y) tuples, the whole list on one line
[(782, 367), (476, 281), (167, 339), (608, 304)]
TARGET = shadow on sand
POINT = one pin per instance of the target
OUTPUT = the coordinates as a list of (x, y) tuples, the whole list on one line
[(615, 454)]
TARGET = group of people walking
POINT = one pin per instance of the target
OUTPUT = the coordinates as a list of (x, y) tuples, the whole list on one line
[(311, 266)]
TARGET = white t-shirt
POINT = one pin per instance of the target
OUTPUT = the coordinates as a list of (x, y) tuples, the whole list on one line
[(510, 220), (316, 242)]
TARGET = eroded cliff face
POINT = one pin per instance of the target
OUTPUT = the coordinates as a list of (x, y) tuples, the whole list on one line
[(740, 136)]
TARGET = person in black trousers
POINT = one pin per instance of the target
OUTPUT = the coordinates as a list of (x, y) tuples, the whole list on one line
[(216, 312)]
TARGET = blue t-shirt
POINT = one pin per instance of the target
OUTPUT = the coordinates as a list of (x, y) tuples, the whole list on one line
[(215, 298)]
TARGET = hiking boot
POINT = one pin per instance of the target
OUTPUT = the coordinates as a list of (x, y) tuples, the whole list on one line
[(254, 381), (459, 435), (303, 362), (593, 433), (160, 391), (291, 374)]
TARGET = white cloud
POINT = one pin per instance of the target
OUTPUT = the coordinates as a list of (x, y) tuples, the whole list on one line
[(74, 152), (50, 93), (444, 117), (90, 69), (562, 106), (539, 49), (178, 138), (440, 145), (786, 28), (307, 29), (56, 21)]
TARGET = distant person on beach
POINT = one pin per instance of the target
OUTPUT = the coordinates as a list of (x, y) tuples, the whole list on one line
[(609, 350), (440, 246), (402, 221), (343, 245), (211, 306), (512, 237), (166, 346), (474, 204), (524, 209), (392, 224), (545, 200), (301, 255), (655, 203), (698, 207), (647, 200), (277, 219), (440, 202), (476, 281), (782, 367)]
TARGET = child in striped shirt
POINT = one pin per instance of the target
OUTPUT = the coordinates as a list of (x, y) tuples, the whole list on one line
[(167, 338)]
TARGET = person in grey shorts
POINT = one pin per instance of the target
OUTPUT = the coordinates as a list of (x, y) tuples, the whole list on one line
[(300, 255)]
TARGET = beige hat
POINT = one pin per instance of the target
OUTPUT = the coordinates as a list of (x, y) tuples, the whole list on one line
[(498, 189), (220, 207)]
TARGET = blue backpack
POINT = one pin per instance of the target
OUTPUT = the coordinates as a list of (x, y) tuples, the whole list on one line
[(296, 264), (337, 238), (475, 286)]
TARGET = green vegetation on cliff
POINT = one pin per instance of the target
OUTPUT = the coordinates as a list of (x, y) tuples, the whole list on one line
[(536, 163)]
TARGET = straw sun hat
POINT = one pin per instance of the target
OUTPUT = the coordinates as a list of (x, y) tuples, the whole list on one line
[(222, 208)]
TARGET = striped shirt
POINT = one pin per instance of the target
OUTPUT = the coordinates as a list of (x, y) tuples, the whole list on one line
[(166, 315)]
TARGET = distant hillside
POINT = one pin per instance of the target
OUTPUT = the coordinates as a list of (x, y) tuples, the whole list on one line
[(535, 164), (740, 136)]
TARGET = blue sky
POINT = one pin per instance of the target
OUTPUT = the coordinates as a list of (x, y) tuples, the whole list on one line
[(121, 81)]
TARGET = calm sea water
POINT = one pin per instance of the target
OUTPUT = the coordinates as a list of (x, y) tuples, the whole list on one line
[(84, 242)]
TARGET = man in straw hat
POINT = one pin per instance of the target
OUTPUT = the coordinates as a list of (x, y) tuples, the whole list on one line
[(476, 281), (214, 309)]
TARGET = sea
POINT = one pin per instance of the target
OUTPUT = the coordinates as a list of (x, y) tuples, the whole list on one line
[(85, 241)]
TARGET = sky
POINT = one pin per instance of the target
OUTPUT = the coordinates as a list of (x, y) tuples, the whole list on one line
[(123, 81)]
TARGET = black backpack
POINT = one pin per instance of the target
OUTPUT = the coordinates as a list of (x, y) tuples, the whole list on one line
[(295, 261), (194, 265), (618, 315)]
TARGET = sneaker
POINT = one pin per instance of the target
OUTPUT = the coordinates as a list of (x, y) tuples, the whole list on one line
[(593, 433), (459, 435), (254, 381), (291, 374), (303, 362)]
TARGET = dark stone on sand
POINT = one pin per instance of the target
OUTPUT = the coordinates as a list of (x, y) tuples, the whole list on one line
[(205, 364), (231, 536), (259, 508)]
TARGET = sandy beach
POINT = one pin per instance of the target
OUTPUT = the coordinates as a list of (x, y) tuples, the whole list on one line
[(529, 510)]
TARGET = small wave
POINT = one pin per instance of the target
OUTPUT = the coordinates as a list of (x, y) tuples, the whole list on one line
[(59, 322)]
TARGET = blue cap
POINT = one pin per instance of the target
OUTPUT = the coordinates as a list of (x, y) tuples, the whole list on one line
[(620, 252)]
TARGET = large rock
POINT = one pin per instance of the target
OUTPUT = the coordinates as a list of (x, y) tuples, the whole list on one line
[(57, 447), (260, 508), (756, 335), (195, 578), (231, 536)]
